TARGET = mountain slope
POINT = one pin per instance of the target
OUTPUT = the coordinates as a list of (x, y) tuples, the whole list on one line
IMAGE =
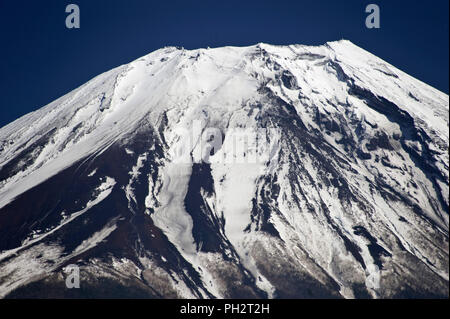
[(342, 193)]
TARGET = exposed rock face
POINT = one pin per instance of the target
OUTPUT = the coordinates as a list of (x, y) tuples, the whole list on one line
[(342, 194)]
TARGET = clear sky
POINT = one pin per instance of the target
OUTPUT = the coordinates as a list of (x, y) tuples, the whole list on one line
[(41, 60)]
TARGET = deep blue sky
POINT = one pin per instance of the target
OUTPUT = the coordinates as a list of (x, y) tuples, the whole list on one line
[(40, 59)]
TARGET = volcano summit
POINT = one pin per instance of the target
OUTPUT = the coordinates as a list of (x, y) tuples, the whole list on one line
[(346, 195)]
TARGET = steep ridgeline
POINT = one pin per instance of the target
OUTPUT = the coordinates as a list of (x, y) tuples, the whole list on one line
[(348, 200)]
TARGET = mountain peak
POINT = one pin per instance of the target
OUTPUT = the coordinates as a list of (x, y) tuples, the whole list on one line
[(186, 171)]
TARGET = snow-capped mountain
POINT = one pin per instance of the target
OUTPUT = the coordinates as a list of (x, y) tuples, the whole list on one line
[(344, 194)]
